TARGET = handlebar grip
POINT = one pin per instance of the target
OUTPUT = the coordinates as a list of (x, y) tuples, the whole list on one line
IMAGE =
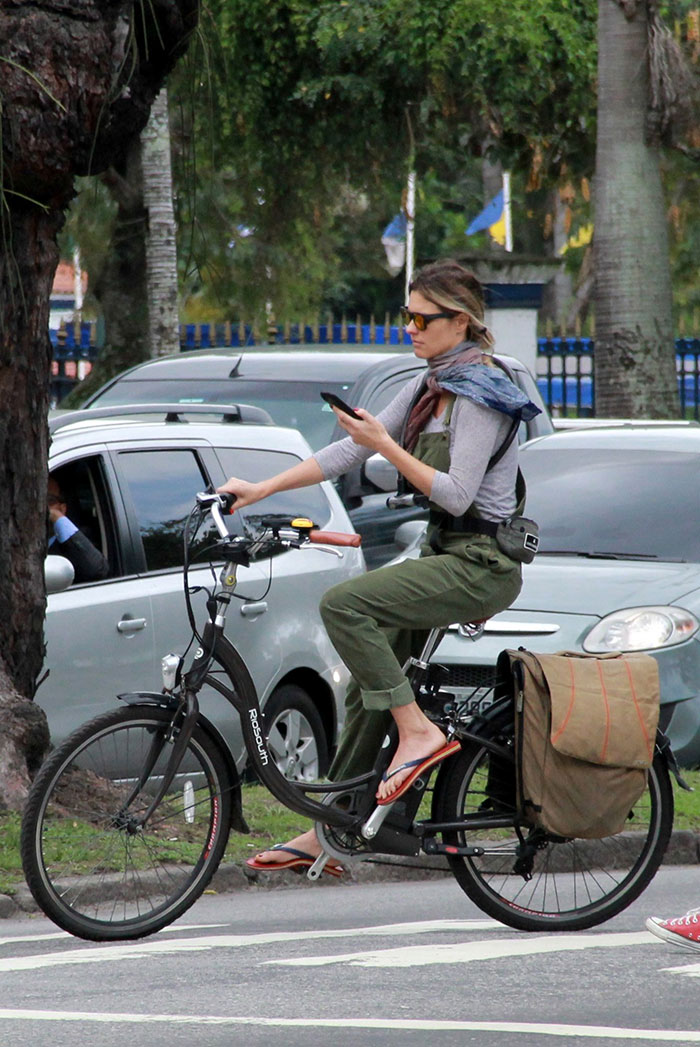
[(400, 501), (334, 538), (227, 501)]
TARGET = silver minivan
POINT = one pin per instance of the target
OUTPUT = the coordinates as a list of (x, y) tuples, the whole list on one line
[(131, 479)]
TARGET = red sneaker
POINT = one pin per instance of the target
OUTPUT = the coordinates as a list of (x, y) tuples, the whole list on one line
[(683, 930)]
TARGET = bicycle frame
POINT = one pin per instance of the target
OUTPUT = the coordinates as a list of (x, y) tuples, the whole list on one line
[(368, 818)]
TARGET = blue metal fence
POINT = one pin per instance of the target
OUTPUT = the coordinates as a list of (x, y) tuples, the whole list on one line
[(565, 365)]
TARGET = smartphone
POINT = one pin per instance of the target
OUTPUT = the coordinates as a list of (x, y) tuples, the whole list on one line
[(335, 401)]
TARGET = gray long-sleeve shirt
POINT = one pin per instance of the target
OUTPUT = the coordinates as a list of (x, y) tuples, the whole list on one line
[(476, 433)]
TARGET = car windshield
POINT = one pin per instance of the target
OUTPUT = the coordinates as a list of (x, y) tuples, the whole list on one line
[(291, 403), (635, 503)]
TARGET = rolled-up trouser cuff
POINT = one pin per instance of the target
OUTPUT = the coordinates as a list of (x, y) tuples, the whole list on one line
[(389, 698)]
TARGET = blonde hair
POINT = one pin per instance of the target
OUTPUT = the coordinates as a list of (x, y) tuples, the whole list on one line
[(450, 286)]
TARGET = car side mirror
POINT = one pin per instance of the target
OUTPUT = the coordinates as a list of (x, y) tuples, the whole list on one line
[(409, 533), (58, 574), (381, 473)]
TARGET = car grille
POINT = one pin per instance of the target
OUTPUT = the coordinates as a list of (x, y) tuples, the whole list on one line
[(470, 676)]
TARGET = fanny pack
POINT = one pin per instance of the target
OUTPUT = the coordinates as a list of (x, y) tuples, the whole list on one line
[(518, 537)]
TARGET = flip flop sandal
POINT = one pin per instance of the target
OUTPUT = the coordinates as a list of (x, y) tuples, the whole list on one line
[(423, 763), (299, 860)]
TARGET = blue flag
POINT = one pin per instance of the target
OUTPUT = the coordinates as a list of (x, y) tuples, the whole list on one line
[(394, 243), (490, 216)]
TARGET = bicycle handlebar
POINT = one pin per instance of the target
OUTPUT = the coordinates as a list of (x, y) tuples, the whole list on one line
[(222, 503), (405, 501)]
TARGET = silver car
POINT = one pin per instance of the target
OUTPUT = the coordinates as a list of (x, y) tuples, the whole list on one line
[(132, 480), (618, 567), (287, 381)]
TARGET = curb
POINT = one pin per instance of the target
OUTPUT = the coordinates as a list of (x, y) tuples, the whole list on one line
[(683, 849)]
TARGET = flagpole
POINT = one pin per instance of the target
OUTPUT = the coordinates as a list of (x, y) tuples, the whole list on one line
[(506, 211), (410, 222), (410, 203)]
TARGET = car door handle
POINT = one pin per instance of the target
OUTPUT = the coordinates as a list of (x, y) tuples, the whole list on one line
[(252, 610), (131, 625)]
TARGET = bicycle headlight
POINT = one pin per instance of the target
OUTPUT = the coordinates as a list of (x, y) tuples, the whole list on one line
[(170, 666), (641, 629)]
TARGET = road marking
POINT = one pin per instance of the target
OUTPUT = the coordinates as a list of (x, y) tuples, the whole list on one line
[(691, 971), (84, 953), (466, 952), (676, 1036), (178, 928)]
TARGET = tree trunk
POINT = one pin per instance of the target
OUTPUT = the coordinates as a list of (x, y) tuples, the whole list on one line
[(77, 84), (137, 285), (634, 347), (27, 263), (121, 286), (161, 246)]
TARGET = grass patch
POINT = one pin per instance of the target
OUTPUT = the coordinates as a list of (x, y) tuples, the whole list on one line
[(687, 813), (270, 822)]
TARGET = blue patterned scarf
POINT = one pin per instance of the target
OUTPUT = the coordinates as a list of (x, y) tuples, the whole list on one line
[(462, 372)]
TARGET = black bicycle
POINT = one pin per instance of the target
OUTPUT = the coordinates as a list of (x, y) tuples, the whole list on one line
[(128, 819)]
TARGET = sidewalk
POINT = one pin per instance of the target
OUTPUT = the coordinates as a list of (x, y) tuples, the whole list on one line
[(683, 849)]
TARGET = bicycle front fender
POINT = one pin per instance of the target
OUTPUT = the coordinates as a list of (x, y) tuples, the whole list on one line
[(166, 701), (148, 698)]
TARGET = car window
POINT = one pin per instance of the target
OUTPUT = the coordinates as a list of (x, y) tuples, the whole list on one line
[(162, 485), (385, 393), (89, 506), (294, 404), (628, 503), (253, 465)]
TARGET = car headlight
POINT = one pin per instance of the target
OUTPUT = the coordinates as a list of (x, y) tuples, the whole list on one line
[(641, 629)]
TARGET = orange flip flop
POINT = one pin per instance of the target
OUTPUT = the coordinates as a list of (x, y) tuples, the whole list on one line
[(299, 860), (423, 763)]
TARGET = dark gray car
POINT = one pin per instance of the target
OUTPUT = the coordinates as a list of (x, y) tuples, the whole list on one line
[(287, 381)]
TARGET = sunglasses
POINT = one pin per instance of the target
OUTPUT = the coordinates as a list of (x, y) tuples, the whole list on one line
[(421, 320)]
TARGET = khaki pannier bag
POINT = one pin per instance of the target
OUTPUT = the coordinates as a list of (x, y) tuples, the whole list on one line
[(585, 731)]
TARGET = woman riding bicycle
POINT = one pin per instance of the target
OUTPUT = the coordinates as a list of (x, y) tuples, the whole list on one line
[(441, 432)]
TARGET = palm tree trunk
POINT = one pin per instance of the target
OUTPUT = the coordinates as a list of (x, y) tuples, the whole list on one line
[(161, 251), (634, 347)]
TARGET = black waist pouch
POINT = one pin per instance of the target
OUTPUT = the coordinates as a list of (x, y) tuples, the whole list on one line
[(518, 538)]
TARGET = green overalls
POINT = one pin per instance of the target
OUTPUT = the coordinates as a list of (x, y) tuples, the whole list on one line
[(377, 620)]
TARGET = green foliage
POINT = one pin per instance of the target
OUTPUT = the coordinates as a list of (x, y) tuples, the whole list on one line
[(294, 123), (304, 132)]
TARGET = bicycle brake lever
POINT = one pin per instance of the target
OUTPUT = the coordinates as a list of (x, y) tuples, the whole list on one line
[(324, 549)]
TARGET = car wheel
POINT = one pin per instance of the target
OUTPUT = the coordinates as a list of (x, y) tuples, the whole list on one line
[(295, 734)]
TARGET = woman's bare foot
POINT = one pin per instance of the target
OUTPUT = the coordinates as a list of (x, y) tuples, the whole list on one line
[(419, 738), (307, 842)]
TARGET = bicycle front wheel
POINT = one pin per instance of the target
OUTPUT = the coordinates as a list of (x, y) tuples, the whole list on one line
[(572, 884), (89, 863)]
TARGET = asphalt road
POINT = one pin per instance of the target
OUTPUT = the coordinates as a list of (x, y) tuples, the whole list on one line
[(372, 964)]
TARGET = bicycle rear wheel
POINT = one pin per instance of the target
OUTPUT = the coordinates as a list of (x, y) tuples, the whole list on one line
[(89, 864), (573, 883)]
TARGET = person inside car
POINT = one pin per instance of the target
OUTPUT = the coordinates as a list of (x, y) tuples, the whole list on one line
[(66, 539), (443, 432)]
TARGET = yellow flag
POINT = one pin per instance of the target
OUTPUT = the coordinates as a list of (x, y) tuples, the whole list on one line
[(580, 238), (498, 230)]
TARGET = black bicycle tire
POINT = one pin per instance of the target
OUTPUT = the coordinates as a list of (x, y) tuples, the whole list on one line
[(513, 913), (40, 880)]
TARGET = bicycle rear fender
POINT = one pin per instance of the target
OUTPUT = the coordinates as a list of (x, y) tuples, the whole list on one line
[(135, 698)]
